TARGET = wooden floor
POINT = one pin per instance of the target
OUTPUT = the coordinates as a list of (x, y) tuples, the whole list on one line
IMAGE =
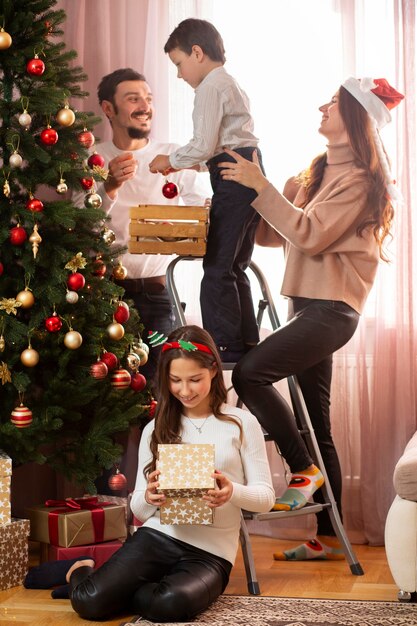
[(313, 579)]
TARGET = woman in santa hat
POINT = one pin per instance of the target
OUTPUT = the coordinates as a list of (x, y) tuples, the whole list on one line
[(332, 220)]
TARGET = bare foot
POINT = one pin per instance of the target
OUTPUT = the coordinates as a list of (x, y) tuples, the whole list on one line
[(77, 564)]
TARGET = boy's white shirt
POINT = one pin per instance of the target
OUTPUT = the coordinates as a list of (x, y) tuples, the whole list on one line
[(221, 119)]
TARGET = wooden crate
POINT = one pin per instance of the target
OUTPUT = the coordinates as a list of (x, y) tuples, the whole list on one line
[(161, 229)]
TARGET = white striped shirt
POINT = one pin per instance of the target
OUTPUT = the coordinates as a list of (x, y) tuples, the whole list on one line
[(221, 119)]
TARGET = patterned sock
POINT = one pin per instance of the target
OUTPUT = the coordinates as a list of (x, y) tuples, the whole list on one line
[(301, 488), (324, 548), (50, 573)]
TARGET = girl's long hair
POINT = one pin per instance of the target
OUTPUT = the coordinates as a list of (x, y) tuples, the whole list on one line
[(361, 138), (168, 411)]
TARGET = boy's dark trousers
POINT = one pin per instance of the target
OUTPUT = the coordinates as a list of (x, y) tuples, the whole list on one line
[(226, 299)]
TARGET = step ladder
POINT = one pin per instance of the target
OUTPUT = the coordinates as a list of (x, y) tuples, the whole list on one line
[(304, 424)]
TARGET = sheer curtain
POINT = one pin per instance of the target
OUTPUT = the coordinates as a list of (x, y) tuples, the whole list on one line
[(288, 68)]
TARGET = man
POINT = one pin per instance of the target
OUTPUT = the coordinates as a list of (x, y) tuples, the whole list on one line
[(126, 100)]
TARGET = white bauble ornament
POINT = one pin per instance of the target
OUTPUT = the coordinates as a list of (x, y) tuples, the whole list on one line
[(15, 160), (25, 119), (71, 297)]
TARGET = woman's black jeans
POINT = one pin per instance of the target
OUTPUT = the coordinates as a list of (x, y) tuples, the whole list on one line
[(159, 578), (304, 347)]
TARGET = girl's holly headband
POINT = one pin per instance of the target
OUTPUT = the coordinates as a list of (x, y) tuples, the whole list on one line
[(157, 339)]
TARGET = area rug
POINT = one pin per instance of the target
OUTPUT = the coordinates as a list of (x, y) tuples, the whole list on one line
[(272, 611)]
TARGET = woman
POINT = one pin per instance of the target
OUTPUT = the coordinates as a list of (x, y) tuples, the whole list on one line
[(333, 231), (172, 572)]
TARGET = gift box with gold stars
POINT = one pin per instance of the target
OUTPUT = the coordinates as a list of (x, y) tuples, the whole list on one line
[(186, 475), (13, 553), (5, 477)]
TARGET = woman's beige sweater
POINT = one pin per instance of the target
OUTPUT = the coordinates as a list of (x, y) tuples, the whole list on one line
[(325, 258)]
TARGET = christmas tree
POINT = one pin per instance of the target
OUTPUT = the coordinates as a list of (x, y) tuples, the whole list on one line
[(70, 348)]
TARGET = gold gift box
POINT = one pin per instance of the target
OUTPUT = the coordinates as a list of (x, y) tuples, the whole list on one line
[(186, 475), (75, 527), (13, 553), (5, 478)]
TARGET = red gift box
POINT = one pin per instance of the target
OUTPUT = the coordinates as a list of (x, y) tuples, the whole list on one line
[(100, 552)]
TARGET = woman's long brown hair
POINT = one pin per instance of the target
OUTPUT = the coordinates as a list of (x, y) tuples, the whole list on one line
[(359, 129), (169, 409)]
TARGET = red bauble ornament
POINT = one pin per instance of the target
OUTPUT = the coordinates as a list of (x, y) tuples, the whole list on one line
[(17, 236), (96, 160), (53, 324), (99, 268), (110, 360), (121, 314), (117, 482), (21, 416), (49, 136), (35, 67), (152, 408), (99, 370), (138, 382), (87, 183), (76, 281), (1, 268), (86, 138), (170, 190), (34, 205), (120, 379)]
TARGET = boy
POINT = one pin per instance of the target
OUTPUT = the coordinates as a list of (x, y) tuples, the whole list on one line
[(221, 119)]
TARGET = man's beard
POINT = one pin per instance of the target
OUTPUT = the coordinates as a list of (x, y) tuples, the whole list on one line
[(137, 133)]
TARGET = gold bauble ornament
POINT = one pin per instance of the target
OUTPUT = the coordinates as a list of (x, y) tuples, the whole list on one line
[(109, 236), (119, 272), (93, 201), (141, 353), (133, 361), (65, 116), (29, 357), (73, 339), (62, 186), (26, 298), (116, 331), (5, 40)]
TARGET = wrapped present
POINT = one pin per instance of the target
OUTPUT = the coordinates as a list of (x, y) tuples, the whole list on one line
[(100, 552), (5, 477), (13, 553), (77, 522), (186, 475), (122, 501)]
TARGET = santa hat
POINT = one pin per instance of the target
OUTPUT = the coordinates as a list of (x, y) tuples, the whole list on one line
[(376, 96)]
